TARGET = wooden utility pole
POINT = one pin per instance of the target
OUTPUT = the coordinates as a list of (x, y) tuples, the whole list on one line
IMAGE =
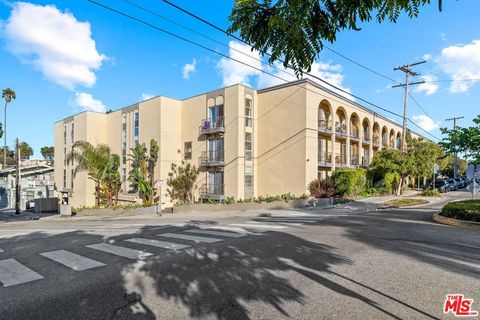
[(408, 72), (17, 178), (455, 162)]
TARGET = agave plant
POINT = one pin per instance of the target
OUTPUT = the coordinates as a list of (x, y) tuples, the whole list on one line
[(322, 188)]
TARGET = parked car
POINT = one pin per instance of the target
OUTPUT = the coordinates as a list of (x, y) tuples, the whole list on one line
[(452, 184), (441, 185), (30, 204), (460, 183)]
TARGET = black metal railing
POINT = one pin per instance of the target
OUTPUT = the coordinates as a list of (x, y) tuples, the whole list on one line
[(211, 191), (211, 158), (325, 158), (212, 125), (354, 160), (341, 128), (354, 133)]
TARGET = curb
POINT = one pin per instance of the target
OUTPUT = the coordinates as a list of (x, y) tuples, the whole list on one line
[(455, 222)]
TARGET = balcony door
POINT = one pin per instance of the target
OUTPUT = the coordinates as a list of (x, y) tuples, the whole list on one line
[(215, 182), (215, 113), (215, 149)]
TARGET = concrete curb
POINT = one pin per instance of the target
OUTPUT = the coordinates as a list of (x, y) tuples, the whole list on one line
[(455, 222)]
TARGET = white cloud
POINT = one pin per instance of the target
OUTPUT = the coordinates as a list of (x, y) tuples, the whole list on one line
[(146, 96), (425, 122), (461, 62), (87, 102), (188, 69), (53, 42), (234, 72), (428, 87), (427, 56)]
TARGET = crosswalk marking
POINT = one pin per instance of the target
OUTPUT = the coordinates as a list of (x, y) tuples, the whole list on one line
[(261, 226), (158, 243), (1, 250), (72, 260), (188, 237), (217, 233), (119, 251), (13, 272)]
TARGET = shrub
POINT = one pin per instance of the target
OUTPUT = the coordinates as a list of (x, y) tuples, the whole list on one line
[(431, 193), (349, 182), (463, 210), (229, 200), (322, 188)]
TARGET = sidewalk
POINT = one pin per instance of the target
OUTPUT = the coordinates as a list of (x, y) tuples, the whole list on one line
[(382, 199)]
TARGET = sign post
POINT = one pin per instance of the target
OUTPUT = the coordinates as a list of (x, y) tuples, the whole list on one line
[(473, 172), (436, 167), (159, 204)]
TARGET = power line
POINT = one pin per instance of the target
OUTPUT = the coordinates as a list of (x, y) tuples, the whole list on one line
[(246, 64), (421, 108)]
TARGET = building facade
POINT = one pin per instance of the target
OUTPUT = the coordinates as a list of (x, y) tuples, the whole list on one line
[(246, 142)]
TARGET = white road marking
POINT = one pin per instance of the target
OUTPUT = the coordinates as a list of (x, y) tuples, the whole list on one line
[(217, 233), (120, 251), (1, 250), (13, 272), (72, 260), (188, 237), (260, 226), (158, 243)]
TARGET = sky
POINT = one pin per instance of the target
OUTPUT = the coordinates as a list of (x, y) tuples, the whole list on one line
[(63, 57)]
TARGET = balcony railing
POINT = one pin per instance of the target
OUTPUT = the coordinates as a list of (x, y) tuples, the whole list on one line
[(354, 160), (340, 160), (354, 133), (212, 125), (211, 159), (325, 126), (366, 137), (365, 163), (376, 142), (341, 129), (212, 191), (324, 159)]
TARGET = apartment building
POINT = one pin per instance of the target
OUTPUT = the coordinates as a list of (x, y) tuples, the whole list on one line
[(246, 142)]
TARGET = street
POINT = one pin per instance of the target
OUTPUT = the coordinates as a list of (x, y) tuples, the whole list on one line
[(347, 262)]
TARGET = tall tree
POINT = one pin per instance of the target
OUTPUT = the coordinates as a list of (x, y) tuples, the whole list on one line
[(466, 140), (295, 31), (111, 182), (48, 153), (143, 171), (9, 95), (25, 151)]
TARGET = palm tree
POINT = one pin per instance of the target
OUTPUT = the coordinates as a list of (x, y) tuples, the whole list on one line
[(91, 159), (9, 95), (111, 182)]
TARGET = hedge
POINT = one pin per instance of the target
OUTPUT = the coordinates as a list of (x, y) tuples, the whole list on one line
[(388, 180), (350, 182), (463, 210)]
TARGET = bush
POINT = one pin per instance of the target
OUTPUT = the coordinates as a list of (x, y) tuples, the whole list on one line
[(463, 210), (350, 182), (389, 178), (322, 188), (431, 193)]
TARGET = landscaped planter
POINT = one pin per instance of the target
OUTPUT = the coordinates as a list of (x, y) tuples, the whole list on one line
[(117, 211), (242, 206)]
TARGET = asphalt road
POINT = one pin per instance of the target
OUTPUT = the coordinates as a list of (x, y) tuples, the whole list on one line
[(343, 263)]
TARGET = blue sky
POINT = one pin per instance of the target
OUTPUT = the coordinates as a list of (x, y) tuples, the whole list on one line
[(62, 57)]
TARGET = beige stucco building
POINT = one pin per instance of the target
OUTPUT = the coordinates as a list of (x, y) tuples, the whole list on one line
[(246, 142)]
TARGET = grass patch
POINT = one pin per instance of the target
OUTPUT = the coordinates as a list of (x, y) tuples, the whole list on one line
[(405, 202), (464, 210), (430, 193)]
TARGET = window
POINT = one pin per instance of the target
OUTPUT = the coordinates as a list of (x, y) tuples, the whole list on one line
[(72, 133), (248, 146), (64, 179), (136, 122), (71, 179), (65, 134), (248, 113), (248, 182), (187, 150), (124, 174), (135, 143), (64, 156)]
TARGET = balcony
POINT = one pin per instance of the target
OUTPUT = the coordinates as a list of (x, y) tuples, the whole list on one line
[(341, 129), (376, 142), (212, 126), (340, 160), (325, 126), (354, 161), (211, 159), (366, 137), (212, 192), (324, 159), (354, 134), (365, 163)]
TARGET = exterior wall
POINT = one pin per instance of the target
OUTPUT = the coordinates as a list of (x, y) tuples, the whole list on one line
[(285, 129)]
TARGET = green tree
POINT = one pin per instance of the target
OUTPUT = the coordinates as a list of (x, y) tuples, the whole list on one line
[(142, 174), (8, 95), (111, 182), (296, 30), (48, 153), (181, 181), (446, 165), (466, 140), (93, 160), (25, 150)]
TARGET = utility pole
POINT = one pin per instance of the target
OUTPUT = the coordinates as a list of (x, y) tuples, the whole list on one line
[(17, 178), (408, 72), (455, 161)]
